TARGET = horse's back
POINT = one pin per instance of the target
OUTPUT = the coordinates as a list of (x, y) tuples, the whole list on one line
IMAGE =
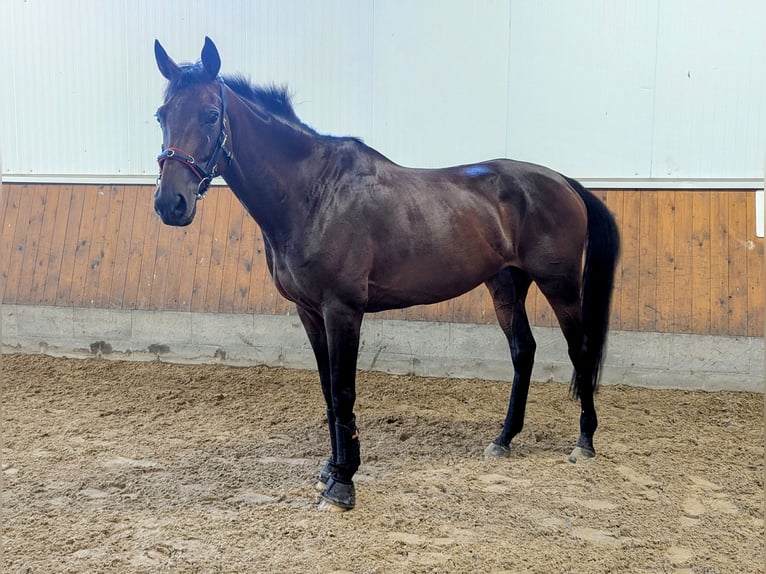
[(528, 203), (437, 233)]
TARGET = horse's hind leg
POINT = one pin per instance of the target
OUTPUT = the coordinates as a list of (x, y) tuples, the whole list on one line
[(564, 297), (509, 291)]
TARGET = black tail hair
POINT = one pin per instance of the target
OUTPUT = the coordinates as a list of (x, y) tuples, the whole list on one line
[(601, 254)]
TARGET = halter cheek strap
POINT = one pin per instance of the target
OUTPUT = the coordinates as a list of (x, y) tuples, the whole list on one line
[(204, 175)]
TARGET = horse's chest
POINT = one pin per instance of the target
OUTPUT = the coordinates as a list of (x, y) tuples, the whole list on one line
[(284, 281), (291, 283)]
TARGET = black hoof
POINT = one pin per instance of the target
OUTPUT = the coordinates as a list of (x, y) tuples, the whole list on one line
[(340, 494)]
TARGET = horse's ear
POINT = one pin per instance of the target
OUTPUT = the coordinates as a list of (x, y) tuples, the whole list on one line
[(211, 61), (165, 63)]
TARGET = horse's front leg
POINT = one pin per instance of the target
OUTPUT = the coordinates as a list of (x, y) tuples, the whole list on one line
[(342, 326), (313, 323)]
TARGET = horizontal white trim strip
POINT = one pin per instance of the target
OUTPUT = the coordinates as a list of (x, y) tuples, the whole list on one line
[(77, 179), (592, 183), (671, 183)]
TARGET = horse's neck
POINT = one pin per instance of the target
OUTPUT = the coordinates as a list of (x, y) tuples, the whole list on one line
[(272, 170)]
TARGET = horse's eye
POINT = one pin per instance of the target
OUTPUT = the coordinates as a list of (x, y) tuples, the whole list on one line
[(211, 117)]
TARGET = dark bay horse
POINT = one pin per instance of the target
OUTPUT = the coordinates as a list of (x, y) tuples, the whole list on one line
[(348, 232)]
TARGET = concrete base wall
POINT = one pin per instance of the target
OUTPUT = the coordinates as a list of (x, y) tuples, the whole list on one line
[(659, 360)]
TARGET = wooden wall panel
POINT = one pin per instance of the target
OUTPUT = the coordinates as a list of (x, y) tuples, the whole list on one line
[(58, 226), (690, 262), (63, 288), (628, 292), (39, 263), (217, 252), (719, 264), (106, 269), (73, 293), (18, 244), (140, 234), (259, 291), (31, 230), (119, 259), (647, 262), (701, 284), (665, 262), (737, 256), (755, 287), (231, 257), (683, 261), (186, 267), (147, 253), (8, 214)]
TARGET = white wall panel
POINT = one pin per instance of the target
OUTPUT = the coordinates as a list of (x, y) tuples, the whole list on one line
[(610, 89), (440, 80), (67, 98), (321, 49), (581, 86), (84, 85), (711, 89)]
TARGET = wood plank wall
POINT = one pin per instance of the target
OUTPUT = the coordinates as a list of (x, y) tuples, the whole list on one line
[(691, 262)]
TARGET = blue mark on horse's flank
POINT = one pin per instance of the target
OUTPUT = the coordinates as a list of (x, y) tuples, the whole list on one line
[(476, 170)]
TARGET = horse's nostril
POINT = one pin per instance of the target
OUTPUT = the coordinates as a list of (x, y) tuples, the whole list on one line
[(180, 207)]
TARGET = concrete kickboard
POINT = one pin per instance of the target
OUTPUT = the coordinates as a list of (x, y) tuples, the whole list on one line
[(658, 360)]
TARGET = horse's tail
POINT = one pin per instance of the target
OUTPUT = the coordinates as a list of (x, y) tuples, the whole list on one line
[(601, 253)]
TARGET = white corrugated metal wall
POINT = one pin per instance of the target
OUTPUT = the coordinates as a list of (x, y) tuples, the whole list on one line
[(624, 91)]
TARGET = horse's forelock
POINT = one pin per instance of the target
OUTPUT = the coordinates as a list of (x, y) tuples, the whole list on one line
[(191, 74)]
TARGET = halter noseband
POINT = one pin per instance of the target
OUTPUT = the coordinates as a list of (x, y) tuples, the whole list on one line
[(206, 174)]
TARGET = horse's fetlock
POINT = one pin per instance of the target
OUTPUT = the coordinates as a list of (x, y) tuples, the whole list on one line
[(348, 456)]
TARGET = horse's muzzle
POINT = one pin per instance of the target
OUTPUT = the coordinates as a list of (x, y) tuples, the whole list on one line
[(173, 208)]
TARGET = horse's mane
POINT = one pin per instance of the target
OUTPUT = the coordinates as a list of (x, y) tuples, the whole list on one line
[(276, 100), (272, 98)]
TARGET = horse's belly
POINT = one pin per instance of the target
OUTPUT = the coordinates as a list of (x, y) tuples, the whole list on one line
[(425, 285), (392, 300)]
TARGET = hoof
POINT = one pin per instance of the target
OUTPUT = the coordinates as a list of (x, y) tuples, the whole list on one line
[(339, 494), (580, 453), (319, 486), (495, 450), (327, 506)]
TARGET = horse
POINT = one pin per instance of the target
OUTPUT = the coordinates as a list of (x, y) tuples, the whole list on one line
[(348, 231)]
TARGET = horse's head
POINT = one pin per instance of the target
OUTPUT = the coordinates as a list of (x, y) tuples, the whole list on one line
[(193, 121)]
